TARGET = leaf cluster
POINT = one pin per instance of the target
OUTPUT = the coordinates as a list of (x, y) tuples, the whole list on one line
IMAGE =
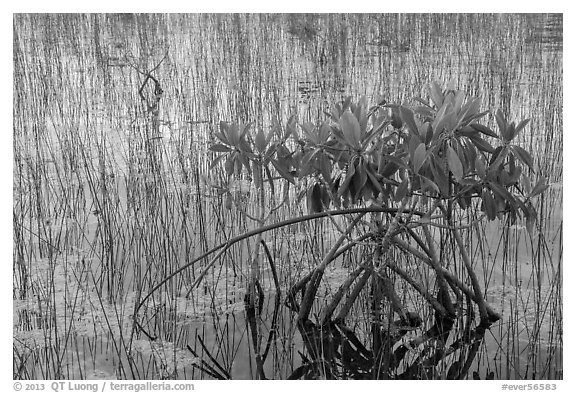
[(436, 148)]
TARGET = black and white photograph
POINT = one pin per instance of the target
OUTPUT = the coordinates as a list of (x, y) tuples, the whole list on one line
[(286, 196)]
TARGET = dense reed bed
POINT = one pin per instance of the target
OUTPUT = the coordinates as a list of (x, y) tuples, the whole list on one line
[(113, 190)]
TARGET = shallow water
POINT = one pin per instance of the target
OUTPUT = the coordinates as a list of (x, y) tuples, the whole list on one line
[(78, 114)]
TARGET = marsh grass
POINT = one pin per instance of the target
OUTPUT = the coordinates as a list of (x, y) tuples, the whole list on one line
[(109, 199)]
